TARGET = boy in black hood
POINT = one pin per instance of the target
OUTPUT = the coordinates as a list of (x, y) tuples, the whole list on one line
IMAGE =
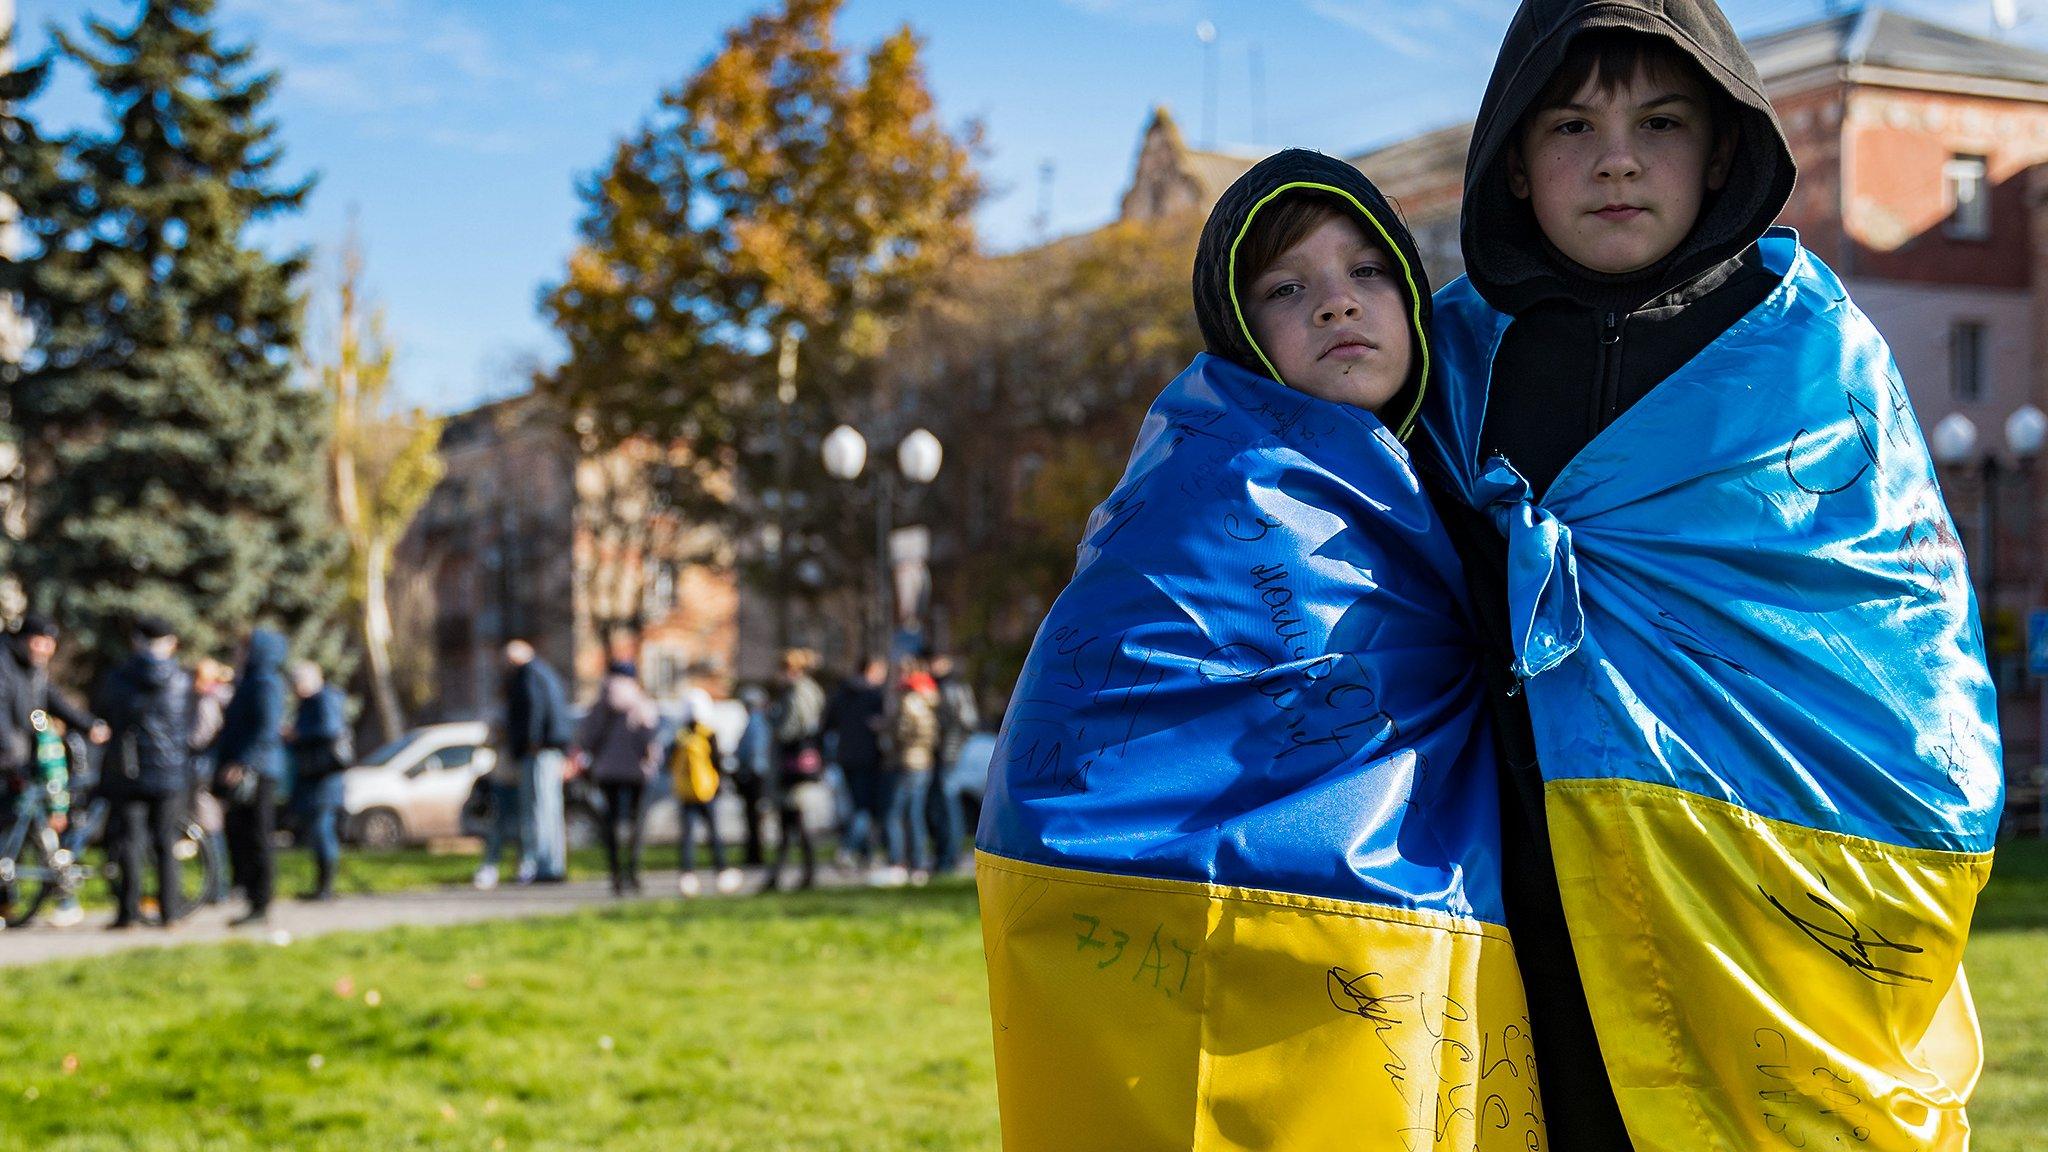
[(1586, 343), (1624, 170)]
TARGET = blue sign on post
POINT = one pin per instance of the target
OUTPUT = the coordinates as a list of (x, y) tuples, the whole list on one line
[(2037, 644)]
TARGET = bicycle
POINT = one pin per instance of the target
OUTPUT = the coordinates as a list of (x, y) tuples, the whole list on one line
[(37, 863)]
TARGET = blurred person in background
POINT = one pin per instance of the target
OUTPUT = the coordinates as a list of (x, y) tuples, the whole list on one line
[(537, 733), (25, 690), (796, 716), (759, 752), (618, 739), (958, 718), (147, 702), (696, 723), (249, 769), (504, 823), (854, 721), (915, 738), (212, 685), (321, 750)]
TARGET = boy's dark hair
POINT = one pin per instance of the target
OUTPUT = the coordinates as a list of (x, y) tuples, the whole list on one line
[(1280, 226), (1610, 56)]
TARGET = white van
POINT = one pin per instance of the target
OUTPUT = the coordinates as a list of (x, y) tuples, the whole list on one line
[(412, 789)]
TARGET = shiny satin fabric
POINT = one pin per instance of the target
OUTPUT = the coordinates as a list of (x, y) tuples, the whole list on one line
[(1768, 737), (1240, 851)]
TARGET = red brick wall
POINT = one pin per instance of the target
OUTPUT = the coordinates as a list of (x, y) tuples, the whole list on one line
[(1812, 123), (1897, 142)]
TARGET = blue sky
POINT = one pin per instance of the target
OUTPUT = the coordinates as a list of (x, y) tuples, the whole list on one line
[(457, 130)]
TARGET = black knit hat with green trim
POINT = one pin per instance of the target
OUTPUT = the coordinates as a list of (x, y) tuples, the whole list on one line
[(1216, 305)]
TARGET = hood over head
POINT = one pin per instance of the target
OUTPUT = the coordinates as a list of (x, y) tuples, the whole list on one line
[(266, 652), (1506, 255), (1224, 327)]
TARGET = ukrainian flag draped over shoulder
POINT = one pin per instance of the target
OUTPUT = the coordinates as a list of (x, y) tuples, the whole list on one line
[(1770, 755), (1239, 861)]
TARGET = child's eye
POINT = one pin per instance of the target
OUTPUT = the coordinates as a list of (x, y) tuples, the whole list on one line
[(1572, 128), (1368, 271), (1282, 291), (1661, 123)]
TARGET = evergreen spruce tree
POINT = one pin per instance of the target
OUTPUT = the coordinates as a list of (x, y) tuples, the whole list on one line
[(173, 467)]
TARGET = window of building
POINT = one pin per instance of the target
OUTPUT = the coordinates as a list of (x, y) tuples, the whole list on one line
[(1967, 354), (661, 590), (1969, 197)]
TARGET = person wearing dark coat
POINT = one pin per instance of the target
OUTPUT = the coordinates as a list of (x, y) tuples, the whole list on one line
[(25, 688), (853, 720), (538, 731), (1583, 347), (781, 787), (618, 740), (147, 702), (320, 748), (249, 753)]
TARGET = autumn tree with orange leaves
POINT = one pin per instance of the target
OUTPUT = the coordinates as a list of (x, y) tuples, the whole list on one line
[(779, 195)]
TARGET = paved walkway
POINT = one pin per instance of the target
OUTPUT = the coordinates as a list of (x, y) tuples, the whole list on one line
[(290, 919)]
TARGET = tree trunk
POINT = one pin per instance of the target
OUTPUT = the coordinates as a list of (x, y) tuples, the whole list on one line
[(377, 642)]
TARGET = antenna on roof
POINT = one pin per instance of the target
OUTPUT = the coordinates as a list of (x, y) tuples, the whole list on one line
[(1041, 220), (1206, 33), (1258, 95)]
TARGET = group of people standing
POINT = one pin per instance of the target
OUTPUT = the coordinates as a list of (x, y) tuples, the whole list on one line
[(174, 746), (895, 745), (894, 742)]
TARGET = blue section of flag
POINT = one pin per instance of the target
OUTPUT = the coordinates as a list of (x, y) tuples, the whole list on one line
[(1748, 586), (1262, 674)]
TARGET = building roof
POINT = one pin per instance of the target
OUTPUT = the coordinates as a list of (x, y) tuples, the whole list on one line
[(1216, 171), (1432, 157), (1878, 37)]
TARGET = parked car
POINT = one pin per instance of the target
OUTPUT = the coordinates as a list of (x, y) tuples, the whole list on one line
[(970, 776), (412, 789)]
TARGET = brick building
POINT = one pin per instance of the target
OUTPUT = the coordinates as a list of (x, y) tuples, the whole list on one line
[(526, 536)]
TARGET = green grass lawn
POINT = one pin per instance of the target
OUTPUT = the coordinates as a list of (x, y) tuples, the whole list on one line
[(2008, 948), (845, 1020)]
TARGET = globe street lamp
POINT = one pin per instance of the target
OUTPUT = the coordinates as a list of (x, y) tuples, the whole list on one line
[(918, 457), (1954, 443)]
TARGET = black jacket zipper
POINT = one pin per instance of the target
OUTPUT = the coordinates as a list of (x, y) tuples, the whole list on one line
[(1608, 363)]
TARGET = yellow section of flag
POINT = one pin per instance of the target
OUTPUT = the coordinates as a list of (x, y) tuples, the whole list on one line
[(1136, 1015), (1757, 984)]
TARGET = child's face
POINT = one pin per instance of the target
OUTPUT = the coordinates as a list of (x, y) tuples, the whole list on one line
[(1330, 316), (1616, 178)]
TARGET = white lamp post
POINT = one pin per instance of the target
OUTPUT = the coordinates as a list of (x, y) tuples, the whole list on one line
[(2025, 430), (918, 457), (846, 453), (1953, 439)]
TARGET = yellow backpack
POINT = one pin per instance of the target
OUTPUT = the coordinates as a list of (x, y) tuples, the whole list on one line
[(693, 764)]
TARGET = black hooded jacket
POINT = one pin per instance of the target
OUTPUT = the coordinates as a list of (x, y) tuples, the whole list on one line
[(1582, 349), (1586, 346), (147, 700), (1217, 308)]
